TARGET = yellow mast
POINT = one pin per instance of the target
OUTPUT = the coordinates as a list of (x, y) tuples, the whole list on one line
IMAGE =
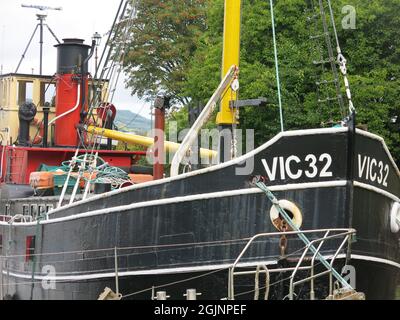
[(230, 56), (225, 117)]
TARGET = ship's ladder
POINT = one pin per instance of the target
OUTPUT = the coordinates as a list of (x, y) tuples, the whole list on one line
[(324, 35)]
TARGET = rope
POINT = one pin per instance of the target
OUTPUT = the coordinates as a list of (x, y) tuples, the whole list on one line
[(278, 83), (122, 51), (105, 174), (341, 61), (108, 71)]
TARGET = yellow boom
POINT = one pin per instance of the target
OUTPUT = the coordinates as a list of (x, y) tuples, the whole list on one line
[(143, 141), (230, 56)]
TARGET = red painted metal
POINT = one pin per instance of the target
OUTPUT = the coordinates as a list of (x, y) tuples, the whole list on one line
[(104, 109), (66, 99), (159, 153), (24, 160)]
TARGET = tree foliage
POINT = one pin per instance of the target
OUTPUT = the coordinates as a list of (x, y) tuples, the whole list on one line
[(163, 38), (372, 51)]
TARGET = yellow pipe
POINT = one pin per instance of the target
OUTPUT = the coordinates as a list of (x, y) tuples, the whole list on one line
[(143, 141), (231, 55)]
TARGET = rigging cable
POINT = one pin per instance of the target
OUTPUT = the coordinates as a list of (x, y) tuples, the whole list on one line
[(133, 119), (330, 52), (341, 61), (113, 72), (278, 83)]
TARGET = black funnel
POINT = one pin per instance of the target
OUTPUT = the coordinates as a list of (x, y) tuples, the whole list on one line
[(71, 54)]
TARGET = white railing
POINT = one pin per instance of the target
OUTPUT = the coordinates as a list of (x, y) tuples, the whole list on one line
[(328, 234)]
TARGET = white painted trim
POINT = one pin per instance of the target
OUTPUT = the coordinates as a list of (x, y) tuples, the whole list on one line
[(207, 268), (205, 196), (374, 259), (238, 160), (138, 273), (196, 197), (202, 118), (377, 190), (381, 140)]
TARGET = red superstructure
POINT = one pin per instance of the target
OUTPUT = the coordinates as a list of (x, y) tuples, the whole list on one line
[(71, 107), (19, 162), (72, 88), (67, 98)]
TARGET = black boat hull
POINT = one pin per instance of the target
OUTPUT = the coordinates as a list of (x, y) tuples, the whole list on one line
[(211, 284), (178, 227)]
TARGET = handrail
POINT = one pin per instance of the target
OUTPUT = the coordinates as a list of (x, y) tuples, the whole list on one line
[(293, 284), (341, 233), (23, 218), (191, 136), (312, 292), (344, 230)]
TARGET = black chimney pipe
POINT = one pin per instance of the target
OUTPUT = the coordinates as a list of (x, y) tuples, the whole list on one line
[(46, 110)]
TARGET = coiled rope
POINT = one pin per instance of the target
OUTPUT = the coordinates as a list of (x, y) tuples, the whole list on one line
[(105, 174)]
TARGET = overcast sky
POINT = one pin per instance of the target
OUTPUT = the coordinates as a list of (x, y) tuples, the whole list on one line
[(78, 19)]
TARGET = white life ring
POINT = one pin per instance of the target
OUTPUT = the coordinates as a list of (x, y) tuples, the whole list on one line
[(395, 217), (291, 209)]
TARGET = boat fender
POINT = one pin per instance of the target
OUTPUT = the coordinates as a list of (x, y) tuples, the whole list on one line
[(395, 217), (290, 209)]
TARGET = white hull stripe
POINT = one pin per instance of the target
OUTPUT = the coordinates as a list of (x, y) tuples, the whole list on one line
[(203, 196), (377, 190), (206, 196), (382, 141), (181, 270)]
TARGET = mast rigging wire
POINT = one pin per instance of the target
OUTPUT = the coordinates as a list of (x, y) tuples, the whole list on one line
[(278, 83)]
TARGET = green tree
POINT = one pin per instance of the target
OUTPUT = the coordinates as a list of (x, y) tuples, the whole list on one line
[(163, 39), (176, 46), (372, 51)]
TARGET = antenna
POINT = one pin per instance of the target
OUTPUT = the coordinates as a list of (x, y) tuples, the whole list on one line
[(41, 18), (41, 8)]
